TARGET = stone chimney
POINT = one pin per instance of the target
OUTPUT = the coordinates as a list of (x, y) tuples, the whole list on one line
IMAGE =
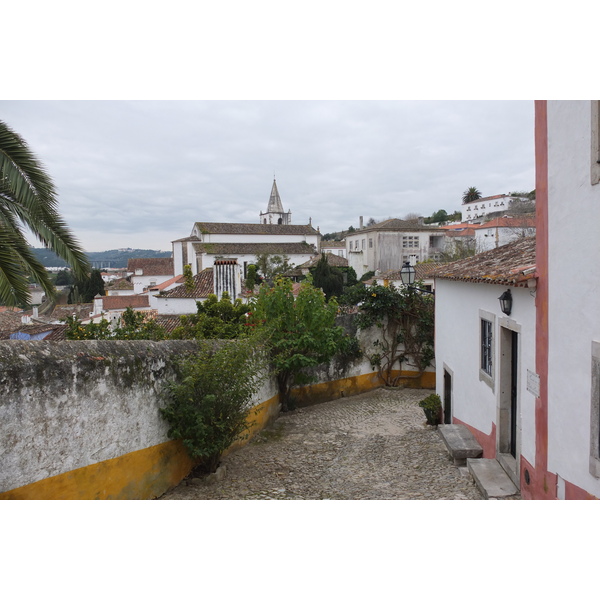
[(360, 220)]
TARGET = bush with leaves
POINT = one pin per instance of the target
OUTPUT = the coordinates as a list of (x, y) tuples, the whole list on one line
[(300, 332), (209, 405), (134, 325), (405, 318), (215, 320)]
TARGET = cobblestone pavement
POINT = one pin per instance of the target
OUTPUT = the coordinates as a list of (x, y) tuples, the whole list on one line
[(372, 446)]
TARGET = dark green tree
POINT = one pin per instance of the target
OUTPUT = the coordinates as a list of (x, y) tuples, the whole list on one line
[(328, 278), (85, 289), (28, 198)]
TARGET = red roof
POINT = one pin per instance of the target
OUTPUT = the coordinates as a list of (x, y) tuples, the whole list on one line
[(122, 302)]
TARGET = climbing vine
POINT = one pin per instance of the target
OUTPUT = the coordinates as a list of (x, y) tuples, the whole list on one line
[(405, 318)]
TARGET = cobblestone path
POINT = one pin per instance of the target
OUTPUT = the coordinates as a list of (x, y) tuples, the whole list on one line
[(372, 446)]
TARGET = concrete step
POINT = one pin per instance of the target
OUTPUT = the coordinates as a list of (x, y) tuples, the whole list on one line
[(460, 442), (491, 478)]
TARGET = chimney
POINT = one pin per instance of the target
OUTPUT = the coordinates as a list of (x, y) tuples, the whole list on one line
[(360, 219), (35, 312)]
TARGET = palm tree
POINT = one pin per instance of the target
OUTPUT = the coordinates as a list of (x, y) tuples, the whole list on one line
[(28, 198), (471, 194)]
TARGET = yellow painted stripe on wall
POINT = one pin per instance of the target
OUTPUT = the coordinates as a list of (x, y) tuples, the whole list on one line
[(322, 392), (139, 475)]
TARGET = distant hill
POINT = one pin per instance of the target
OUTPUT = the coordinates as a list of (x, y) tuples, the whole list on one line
[(109, 259)]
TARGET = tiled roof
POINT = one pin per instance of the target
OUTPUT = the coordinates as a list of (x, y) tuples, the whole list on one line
[(168, 322), (508, 221), (203, 286), (190, 238), (511, 264), (120, 284), (252, 248), (151, 266), (396, 225), (166, 284), (332, 259), (62, 311), (256, 229), (332, 244), (122, 302), (422, 271)]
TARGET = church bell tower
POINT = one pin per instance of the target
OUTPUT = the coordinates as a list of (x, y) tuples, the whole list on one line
[(275, 214)]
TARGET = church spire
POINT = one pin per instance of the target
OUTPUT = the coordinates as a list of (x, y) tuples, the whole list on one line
[(275, 214), (275, 205)]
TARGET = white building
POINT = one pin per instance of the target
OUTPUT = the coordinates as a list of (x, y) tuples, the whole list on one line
[(242, 242), (503, 230), (483, 355), (388, 245), (148, 272)]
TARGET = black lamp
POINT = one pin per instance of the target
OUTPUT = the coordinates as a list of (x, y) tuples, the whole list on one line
[(407, 274), (506, 302)]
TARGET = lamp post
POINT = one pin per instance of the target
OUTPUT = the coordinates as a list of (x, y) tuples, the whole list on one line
[(407, 275)]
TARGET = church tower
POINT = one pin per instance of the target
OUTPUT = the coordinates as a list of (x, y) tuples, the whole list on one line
[(275, 214)]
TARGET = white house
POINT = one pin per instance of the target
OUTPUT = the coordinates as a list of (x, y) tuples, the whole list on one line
[(148, 272), (476, 211), (483, 355), (566, 463), (502, 230), (333, 247), (389, 244), (210, 242)]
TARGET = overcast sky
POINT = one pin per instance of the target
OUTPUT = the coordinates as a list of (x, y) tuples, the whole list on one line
[(139, 173)]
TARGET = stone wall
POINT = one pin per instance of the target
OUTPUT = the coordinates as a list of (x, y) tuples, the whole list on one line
[(81, 419)]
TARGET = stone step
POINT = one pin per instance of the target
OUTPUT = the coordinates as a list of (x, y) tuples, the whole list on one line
[(460, 442), (491, 478)]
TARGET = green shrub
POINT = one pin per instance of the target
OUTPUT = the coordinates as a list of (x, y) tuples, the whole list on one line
[(210, 403), (432, 407)]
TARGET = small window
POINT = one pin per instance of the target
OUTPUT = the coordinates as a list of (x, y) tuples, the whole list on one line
[(486, 347), (370, 242), (363, 244)]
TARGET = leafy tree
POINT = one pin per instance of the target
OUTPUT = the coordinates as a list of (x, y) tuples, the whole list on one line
[(471, 194), (351, 229), (328, 278), (459, 249), (214, 320), (28, 197), (209, 405), (405, 318), (271, 265), (253, 278), (371, 221), (300, 332), (188, 277), (64, 278), (85, 289)]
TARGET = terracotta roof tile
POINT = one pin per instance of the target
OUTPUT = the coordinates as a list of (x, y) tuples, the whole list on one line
[(203, 286), (151, 266), (256, 228), (256, 248), (396, 225), (511, 264), (122, 302)]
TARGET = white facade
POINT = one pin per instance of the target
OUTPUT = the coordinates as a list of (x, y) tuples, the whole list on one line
[(477, 399), (384, 248), (573, 294), (495, 234)]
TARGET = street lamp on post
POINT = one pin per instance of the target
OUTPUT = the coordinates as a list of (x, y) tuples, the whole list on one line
[(407, 275)]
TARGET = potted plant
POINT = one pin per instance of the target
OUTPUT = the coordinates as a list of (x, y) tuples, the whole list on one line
[(432, 407)]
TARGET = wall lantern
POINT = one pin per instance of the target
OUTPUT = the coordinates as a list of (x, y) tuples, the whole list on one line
[(506, 302)]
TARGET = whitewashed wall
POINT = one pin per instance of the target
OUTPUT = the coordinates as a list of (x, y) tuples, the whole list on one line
[(457, 345), (574, 290)]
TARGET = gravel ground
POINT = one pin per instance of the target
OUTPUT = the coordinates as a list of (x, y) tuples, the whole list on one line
[(372, 446)]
